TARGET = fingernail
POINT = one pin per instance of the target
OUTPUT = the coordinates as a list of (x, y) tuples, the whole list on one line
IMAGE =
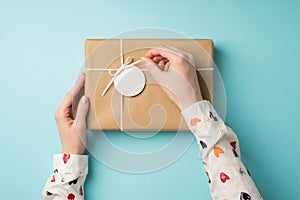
[(81, 75), (83, 99)]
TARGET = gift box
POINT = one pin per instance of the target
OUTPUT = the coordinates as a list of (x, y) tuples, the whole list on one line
[(151, 109)]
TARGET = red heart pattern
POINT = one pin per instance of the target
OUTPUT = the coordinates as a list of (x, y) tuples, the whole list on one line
[(81, 191), (53, 179), (224, 177), (66, 157), (233, 144), (71, 196)]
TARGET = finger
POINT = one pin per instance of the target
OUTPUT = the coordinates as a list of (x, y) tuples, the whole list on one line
[(151, 65), (182, 54), (167, 66), (79, 84), (156, 59), (82, 110), (161, 64), (67, 101), (158, 74), (78, 93), (160, 51)]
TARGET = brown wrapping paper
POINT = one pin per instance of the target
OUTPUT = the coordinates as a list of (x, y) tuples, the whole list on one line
[(151, 109)]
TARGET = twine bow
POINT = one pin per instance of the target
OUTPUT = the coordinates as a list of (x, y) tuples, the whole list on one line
[(124, 65)]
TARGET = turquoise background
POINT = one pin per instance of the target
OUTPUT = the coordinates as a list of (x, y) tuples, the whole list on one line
[(257, 51)]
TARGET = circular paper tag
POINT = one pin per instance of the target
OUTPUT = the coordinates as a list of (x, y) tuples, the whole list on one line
[(130, 82)]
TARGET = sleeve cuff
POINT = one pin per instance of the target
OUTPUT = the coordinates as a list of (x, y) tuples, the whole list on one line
[(70, 164), (199, 113)]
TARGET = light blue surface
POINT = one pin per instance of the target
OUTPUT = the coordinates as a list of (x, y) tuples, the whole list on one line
[(257, 51)]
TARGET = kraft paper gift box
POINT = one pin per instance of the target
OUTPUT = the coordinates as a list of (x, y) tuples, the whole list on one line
[(151, 109)]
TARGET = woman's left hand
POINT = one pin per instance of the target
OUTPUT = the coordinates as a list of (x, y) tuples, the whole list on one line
[(70, 119)]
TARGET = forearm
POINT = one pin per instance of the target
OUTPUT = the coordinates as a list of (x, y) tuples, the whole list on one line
[(67, 180), (228, 177)]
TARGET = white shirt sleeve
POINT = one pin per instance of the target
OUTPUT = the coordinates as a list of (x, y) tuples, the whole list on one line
[(67, 179), (219, 147)]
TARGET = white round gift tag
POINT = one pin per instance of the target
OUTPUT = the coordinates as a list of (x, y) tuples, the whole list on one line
[(130, 82)]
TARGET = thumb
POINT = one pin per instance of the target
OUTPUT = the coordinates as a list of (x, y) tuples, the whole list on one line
[(154, 70), (82, 110), (147, 61)]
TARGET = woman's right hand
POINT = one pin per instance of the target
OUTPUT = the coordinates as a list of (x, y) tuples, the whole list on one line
[(175, 71)]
